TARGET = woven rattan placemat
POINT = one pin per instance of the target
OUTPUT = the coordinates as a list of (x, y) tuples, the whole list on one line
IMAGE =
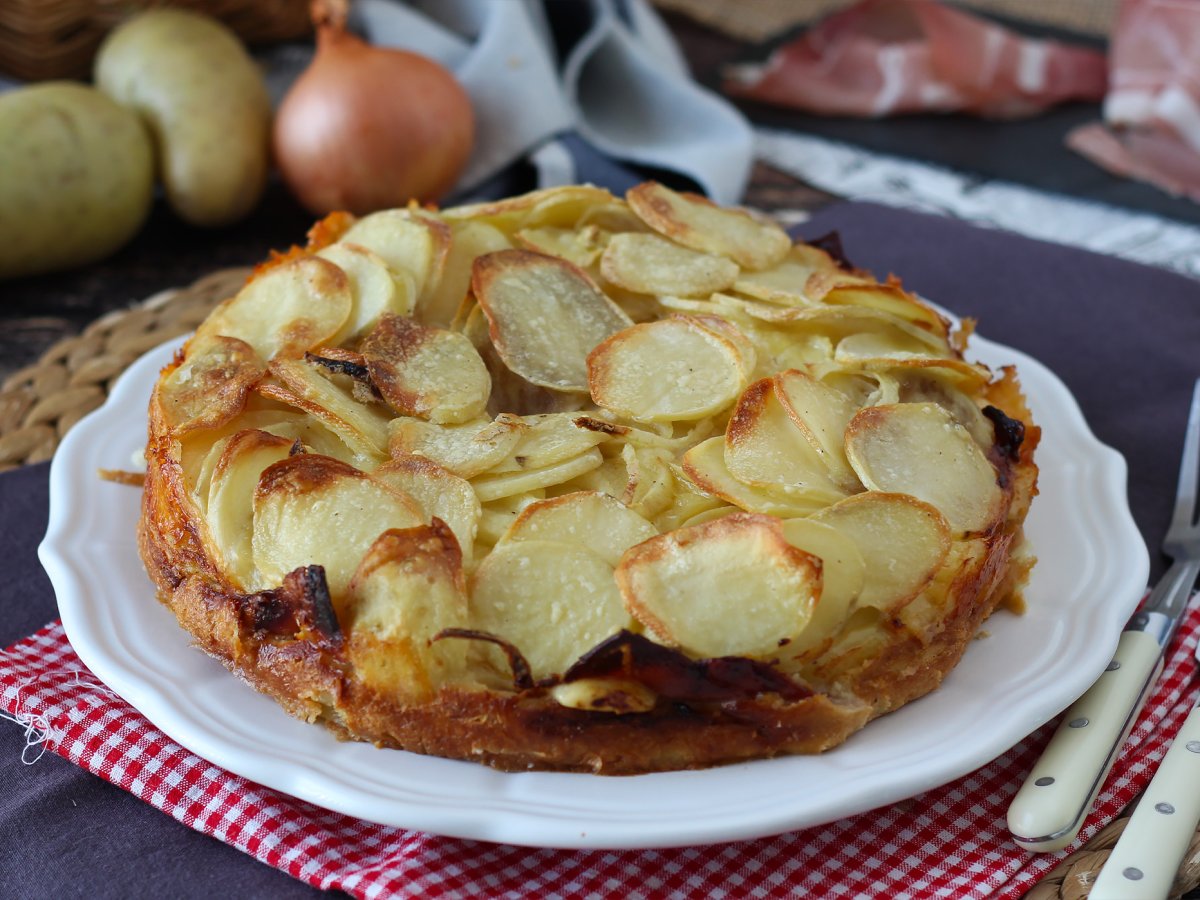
[(40, 403)]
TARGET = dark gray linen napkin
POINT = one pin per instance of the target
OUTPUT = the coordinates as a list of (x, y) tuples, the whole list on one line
[(1123, 337)]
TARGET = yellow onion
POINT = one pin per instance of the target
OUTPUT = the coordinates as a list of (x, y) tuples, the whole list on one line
[(367, 128)]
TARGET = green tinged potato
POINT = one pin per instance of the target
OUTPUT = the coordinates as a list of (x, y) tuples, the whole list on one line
[(205, 102), (76, 177)]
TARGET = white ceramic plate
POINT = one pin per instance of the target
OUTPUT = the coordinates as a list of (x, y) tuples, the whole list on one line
[(1093, 567)]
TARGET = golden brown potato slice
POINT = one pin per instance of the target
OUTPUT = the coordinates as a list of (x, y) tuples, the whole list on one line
[(547, 439), (902, 540), (363, 428), (200, 450), (649, 264), (843, 576), (722, 327), (822, 414), (316, 510), (785, 283), (468, 240), (427, 372), (579, 246), (559, 207), (766, 448), (890, 299), (211, 385), (545, 315), (554, 601), (497, 517), (408, 588), (492, 487), (230, 507), (651, 482), (440, 494), (466, 450), (587, 519), (918, 449), (704, 466), (286, 310), (376, 290), (668, 370), (729, 587), (697, 222), (409, 241)]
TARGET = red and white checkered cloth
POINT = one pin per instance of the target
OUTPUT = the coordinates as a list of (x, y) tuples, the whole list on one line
[(950, 842)]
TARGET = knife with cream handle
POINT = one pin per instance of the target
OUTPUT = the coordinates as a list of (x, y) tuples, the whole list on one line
[(1143, 864), (1049, 809)]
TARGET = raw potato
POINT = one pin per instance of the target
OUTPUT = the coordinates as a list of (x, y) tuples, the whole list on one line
[(205, 102), (730, 587), (76, 177)]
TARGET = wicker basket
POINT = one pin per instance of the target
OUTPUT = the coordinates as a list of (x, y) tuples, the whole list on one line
[(42, 39)]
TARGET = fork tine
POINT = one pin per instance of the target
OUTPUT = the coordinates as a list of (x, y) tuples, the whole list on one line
[(1185, 499)]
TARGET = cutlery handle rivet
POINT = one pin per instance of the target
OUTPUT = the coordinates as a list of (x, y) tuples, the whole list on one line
[(1133, 874), (1113, 666), (1078, 723), (1165, 808), (1042, 782), (1194, 746)]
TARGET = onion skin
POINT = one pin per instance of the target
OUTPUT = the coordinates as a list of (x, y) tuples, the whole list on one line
[(367, 128)]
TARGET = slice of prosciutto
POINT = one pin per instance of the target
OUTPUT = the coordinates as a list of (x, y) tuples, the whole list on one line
[(1152, 109), (889, 57)]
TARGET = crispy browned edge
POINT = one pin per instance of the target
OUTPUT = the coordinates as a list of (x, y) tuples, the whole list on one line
[(313, 679)]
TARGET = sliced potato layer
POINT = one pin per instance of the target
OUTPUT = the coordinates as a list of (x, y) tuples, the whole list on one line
[(409, 242), (648, 264), (439, 492), (554, 601), (730, 587), (211, 385), (230, 508), (589, 519), (427, 372), (545, 440), (822, 414), (766, 448), (466, 450), (285, 310), (669, 370), (374, 288), (704, 466), (545, 315), (314, 510), (918, 449), (408, 588), (843, 576), (697, 222), (902, 540)]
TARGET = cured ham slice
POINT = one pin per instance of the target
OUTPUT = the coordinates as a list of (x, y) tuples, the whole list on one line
[(890, 57), (1153, 106)]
